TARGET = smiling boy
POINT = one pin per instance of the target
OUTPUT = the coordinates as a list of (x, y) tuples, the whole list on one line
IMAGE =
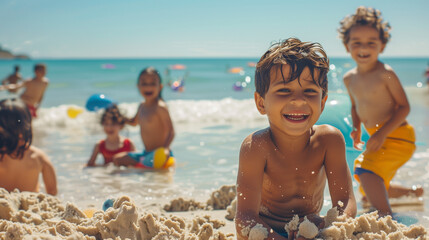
[(283, 168), (380, 103)]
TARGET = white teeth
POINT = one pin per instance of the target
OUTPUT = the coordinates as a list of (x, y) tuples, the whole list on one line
[(296, 116)]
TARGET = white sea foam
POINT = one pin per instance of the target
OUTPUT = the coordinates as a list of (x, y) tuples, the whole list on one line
[(183, 112)]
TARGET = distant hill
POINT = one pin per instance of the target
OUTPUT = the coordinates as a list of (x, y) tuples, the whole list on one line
[(5, 54)]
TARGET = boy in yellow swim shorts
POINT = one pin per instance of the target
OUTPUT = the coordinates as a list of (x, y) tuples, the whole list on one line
[(380, 103)]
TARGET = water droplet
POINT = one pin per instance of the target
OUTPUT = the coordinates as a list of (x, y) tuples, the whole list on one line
[(303, 197), (296, 169), (330, 172), (312, 172), (419, 84)]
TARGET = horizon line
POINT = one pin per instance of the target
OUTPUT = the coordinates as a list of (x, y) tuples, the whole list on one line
[(165, 58)]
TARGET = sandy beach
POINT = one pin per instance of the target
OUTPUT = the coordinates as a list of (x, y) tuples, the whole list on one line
[(30, 215)]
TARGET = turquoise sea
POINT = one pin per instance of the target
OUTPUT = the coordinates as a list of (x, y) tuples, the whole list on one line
[(210, 117)]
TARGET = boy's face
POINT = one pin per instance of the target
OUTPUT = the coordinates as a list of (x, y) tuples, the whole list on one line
[(364, 44), (292, 108), (149, 86), (40, 72)]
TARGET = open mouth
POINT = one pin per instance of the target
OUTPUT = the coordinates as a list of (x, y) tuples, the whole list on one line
[(363, 55), (148, 93), (296, 117)]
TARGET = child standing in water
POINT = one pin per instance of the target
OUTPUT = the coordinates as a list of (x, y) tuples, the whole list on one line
[(34, 88), (20, 163), (113, 122), (379, 102), (13, 78), (156, 127), (283, 168)]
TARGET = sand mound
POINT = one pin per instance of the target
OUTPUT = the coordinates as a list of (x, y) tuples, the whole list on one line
[(30, 215), (45, 217)]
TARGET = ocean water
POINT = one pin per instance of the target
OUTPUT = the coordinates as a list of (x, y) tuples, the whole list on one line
[(210, 117)]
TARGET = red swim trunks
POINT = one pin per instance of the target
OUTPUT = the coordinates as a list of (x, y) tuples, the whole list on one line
[(33, 110)]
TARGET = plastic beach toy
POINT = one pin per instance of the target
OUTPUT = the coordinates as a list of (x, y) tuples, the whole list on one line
[(157, 160), (108, 203), (97, 102), (72, 112)]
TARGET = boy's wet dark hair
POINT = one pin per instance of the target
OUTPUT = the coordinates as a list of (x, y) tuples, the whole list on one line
[(151, 70), (15, 128), (297, 55), (112, 113), (39, 66), (364, 16)]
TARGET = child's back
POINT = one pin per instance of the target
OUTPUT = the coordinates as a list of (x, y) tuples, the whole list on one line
[(20, 163), (23, 173)]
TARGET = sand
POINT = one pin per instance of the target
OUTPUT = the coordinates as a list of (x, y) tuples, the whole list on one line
[(27, 215)]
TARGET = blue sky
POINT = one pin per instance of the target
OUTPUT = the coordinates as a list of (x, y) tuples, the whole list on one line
[(194, 28)]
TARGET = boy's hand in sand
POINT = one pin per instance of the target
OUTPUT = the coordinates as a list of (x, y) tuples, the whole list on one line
[(314, 218), (357, 143), (375, 142)]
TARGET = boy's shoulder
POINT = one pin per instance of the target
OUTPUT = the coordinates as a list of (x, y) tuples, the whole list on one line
[(387, 70), (162, 107), (257, 140), (349, 74), (35, 153), (327, 133)]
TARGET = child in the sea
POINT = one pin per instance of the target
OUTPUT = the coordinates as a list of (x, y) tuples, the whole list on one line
[(380, 103), (113, 122), (34, 88), (153, 117), (13, 78), (20, 163), (283, 168)]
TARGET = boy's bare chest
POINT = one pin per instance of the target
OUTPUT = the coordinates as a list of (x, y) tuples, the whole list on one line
[(368, 89), (296, 164), (149, 118)]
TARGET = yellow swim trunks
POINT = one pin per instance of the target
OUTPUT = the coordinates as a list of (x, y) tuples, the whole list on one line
[(396, 150)]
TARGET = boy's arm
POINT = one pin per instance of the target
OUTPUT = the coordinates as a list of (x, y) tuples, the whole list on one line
[(43, 93), (91, 161), (134, 121), (356, 131), (166, 119), (49, 176), (338, 173), (13, 86), (402, 109), (249, 188)]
